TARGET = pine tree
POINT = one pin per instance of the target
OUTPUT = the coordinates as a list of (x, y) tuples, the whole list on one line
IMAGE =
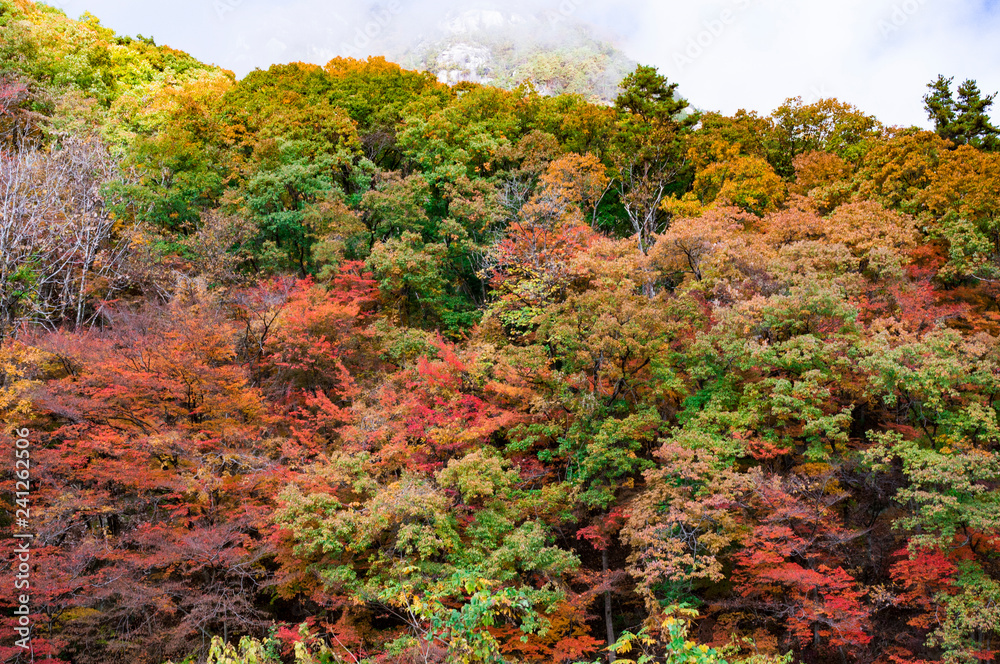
[(648, 94), (964, 121)]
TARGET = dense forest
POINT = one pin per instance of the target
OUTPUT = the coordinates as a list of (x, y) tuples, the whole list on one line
[(340, 364)]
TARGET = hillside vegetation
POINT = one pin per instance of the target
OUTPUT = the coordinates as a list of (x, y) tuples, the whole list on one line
[(342, 364)]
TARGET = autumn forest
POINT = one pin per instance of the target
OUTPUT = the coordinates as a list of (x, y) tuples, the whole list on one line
[(339, 364)]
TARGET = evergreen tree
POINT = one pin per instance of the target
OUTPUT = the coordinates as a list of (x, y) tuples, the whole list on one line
[(648, 94), (966, 120)]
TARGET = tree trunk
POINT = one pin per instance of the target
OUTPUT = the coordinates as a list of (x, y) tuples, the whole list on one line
[(607, 607)]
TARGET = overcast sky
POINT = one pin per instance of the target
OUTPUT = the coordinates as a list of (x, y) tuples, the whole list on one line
[(726, 55)]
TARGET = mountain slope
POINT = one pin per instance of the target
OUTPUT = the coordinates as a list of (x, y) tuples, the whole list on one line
[(507, 47)]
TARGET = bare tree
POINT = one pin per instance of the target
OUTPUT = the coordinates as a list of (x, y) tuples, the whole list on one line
[(57, 244), (641, 183)]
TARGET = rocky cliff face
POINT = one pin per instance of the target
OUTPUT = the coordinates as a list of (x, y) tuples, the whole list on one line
[(507, 47)]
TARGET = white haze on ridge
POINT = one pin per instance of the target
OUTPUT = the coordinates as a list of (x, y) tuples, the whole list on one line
[(726, 55)]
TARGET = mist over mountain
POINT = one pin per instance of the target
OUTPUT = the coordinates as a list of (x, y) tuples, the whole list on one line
[(567, 46), (509, 45)]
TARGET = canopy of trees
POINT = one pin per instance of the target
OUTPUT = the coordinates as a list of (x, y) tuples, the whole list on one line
[(340, 364)]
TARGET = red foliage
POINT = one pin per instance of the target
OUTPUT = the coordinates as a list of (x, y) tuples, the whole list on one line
[(317, 335), (355, 285), (788, 567), (12, 94), (532, 264), (922, 577), (604, 527), (446, 411), (921, 306), (566, 640), (153, 485), (427, 414)]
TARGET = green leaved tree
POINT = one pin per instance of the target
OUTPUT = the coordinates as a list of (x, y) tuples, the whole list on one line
[(965, 120)]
